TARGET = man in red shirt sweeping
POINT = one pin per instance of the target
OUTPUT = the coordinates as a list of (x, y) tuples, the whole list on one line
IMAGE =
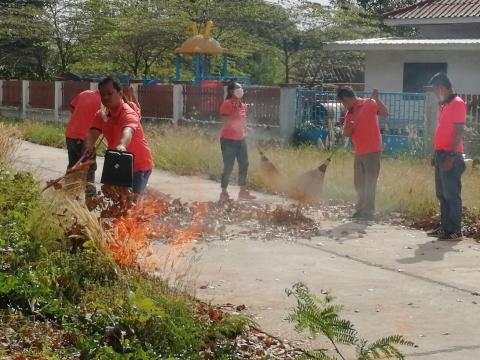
[(123, 132), (361, 125), (83, 107), (448, 158)]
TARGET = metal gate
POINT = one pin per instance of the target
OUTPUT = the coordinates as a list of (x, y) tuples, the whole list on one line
[(321, 116)]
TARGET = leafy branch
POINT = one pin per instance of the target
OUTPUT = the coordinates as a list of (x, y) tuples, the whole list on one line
[(320, 317)]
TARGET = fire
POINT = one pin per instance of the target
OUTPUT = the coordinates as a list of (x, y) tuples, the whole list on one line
[(194, 231), (131, 231)]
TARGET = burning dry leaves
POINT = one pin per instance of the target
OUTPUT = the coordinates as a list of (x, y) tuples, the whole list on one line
[(131, 226)]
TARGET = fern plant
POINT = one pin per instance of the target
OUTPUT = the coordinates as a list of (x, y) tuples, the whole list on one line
[(320, 316)]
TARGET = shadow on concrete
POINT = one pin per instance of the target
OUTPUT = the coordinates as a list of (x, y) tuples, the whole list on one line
[(443, 351), (430, 251), (349, 231)]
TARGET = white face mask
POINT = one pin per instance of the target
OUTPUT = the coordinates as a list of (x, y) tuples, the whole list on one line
[(238, 93)]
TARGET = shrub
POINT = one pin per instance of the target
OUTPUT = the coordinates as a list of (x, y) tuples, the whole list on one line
[(321, 317)]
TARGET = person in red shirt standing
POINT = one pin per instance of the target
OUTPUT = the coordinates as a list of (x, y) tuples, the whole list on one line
[(123, 132), (83, 108), (233, 141), (448, 159), (130, 98), (361, 125)]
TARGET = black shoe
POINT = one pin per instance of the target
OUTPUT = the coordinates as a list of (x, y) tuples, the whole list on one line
[(451, 237), (439, 232), (356, 215), (368, 217)]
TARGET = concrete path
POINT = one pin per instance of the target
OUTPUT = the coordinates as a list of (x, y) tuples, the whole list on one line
[(390, 279)]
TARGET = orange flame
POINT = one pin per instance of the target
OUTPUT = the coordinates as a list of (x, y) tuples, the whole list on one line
[(194, 231), (132, 232)]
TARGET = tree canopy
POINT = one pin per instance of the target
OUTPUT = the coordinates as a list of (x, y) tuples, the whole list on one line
[(270, 41)]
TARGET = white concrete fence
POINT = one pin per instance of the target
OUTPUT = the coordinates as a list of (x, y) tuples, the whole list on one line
[(283, 128)]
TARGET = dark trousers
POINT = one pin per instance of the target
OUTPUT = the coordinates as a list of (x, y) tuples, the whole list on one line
[(231, 150), (448, 187), (74, 149), (366, 169), (140, 181)]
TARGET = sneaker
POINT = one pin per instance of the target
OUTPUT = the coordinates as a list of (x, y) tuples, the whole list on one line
[(245, 195), (451, 237), (439, 232)]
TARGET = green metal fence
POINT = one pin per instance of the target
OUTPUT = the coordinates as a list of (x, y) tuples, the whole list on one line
[(321, 116)]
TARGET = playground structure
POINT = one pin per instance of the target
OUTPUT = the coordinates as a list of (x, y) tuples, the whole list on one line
[(202, 46)]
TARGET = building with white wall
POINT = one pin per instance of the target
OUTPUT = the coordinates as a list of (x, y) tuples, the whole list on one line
[(447, 38)]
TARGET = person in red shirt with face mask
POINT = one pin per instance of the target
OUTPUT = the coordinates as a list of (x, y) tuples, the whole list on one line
[(361, 125), (233, 141), (123, 132)]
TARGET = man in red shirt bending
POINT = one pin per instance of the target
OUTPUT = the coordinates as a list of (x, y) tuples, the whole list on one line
[(83, 107), (448, 159), (123, 132), (361, 125)]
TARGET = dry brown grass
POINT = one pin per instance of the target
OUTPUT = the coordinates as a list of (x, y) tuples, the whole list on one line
[(8, 144), (405, 184)]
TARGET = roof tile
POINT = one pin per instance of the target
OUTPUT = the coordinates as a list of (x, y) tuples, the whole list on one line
[(433, 9)]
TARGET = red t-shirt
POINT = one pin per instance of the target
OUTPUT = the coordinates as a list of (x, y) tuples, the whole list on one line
[(235, 126), (112, 129), (84, 106), (366, 137), (135, 108), (451, 113)]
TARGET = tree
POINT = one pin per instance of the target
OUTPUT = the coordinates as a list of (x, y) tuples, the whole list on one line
[(65, 19), (24, 50), (294, 28), (380, 7), (344, 21)]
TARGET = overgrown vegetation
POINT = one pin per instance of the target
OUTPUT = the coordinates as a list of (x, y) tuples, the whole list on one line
[(321, 317), (56, 302), (8, 143), (406, 184)]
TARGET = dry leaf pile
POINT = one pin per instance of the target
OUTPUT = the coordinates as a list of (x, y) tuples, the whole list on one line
[(470, 225), (253, 343)]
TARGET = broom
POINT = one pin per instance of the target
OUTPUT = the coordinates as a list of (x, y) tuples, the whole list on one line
[(268, 172), (307, 188), (79, 166)]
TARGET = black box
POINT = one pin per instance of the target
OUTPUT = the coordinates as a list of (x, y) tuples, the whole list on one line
[(118, 168)]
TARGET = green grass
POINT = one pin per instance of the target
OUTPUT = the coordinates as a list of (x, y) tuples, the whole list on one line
[(43, 133), (55, 303), (406, 185)]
